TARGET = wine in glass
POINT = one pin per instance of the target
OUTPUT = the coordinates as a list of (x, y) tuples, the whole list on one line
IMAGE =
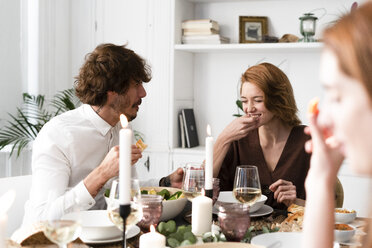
[(113, 205), (61, 232), (247, 187), (193, 180)]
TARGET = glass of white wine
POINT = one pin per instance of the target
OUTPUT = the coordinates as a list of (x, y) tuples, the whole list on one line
[(61, 232), (113, 206), (193, 180), (247, 187)]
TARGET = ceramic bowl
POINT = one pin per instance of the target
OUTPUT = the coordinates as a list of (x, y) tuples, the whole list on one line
[(171, 208), (227, 197), (344, 235), (95, 224), (346, 217)]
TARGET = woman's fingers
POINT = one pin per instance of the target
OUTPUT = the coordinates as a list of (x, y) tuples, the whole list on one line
[(284, 189), (279, 182)]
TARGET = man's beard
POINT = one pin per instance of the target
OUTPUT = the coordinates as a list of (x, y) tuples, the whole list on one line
[(122, 103)]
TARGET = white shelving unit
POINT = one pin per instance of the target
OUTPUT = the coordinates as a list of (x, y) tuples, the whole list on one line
[(251, 48), (205, 76)]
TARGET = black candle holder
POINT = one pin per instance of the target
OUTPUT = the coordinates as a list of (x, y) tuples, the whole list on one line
[(124, 213)]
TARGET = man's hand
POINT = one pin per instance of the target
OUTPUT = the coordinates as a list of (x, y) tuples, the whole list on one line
[(176, 178), (136, 154), (284, 192)]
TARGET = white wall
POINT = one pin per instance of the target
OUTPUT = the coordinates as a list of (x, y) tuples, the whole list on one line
[(10, 58)]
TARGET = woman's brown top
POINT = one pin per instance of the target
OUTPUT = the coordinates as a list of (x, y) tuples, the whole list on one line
[(292, 165)]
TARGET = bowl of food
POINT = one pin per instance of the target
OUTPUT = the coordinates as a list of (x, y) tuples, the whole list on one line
[(95, 224), (343, 232), (173, 200), (344, 216), (228, 197)]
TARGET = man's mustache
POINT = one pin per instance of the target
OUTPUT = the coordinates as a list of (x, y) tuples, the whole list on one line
[(137, 103)]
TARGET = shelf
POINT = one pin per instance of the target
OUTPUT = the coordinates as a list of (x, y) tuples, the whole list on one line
[(216, 1), (198, 150), (251, 47)]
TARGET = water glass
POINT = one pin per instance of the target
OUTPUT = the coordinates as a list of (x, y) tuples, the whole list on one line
[(152, 208), (193, 180), (234, 220)]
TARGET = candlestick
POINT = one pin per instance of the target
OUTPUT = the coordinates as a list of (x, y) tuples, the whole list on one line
[(152, 239), (125, 153), (209, 163), (201, 220)]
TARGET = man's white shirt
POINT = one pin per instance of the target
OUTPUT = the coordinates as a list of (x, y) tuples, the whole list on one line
[(66, 150)]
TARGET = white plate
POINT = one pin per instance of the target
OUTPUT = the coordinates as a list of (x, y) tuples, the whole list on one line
[(264, 210), (133, 231), (280, 240), (228, 196)]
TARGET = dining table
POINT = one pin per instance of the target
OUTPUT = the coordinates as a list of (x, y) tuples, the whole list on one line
[(184, 219)]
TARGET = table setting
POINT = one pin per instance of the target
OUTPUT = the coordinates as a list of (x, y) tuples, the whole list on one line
[(197, 215)]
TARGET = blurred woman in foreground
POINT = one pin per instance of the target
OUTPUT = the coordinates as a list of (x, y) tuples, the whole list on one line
[(346, 73)]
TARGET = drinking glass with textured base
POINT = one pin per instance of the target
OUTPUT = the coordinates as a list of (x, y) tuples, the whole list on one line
[(152, 208), (234, 220)]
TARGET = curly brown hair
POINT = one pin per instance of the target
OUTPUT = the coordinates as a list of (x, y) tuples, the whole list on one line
[(279, 97), (109, 68)]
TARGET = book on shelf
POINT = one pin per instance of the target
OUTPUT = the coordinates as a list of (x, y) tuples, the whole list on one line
[(191, 133), (200, 23), (182, 138), (201, 31), (205, 39)]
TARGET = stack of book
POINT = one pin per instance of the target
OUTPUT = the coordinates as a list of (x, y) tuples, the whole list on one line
[(187, 129), (202, 31)]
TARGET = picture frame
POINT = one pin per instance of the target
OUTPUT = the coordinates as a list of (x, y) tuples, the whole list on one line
[(252, 28)]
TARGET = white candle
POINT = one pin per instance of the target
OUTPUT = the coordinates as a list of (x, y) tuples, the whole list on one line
[(201, 220), (209, 160), (125, 153), (152, 239), (3, 229)]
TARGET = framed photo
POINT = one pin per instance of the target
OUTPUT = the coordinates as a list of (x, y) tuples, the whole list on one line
[(252, 28)]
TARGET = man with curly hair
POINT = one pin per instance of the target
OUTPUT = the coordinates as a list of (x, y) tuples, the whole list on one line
[(76, 154)]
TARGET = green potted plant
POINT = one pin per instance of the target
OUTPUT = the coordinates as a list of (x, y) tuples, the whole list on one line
[(23, 127)]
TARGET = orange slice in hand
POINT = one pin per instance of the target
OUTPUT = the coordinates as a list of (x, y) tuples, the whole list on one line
[(313, 106), (142, 146)]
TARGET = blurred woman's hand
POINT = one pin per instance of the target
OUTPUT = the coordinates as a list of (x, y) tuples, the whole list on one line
[(326, 152)]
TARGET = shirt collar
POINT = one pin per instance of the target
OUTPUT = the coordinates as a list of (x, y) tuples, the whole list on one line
[(102, 126)]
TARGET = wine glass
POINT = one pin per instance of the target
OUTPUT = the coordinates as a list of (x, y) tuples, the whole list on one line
[(247, 188), (113, 206), (61, 232), (193, 180)]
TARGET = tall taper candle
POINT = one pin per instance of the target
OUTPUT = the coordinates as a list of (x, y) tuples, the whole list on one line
[(209, 160), (125, 153)]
